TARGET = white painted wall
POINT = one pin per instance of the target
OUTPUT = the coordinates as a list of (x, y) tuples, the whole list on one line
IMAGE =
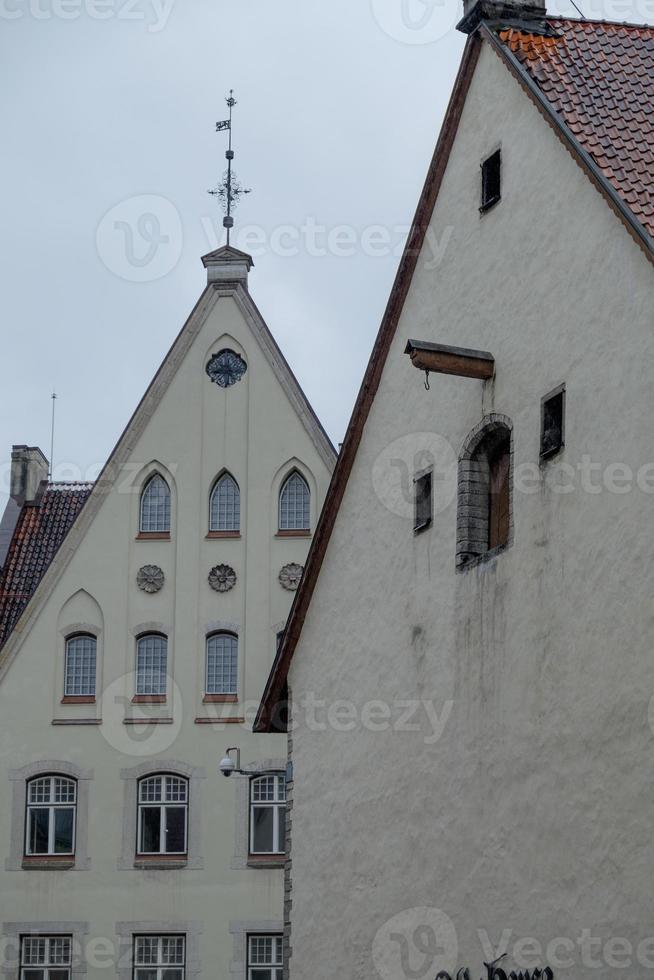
[(533, 811), (197, 430)]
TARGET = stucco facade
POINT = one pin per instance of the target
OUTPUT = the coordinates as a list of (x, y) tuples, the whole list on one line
[(189, 430), (475, 744)]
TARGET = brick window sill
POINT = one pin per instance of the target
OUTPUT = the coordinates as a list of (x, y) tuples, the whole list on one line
[(220, 699), (78, 699), (153, 536), (266, 860), (223, 534), (51, 862), (149, 699), (306, 533), (161, 862)]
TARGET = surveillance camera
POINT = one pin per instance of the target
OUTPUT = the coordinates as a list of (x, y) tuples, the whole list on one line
[(227, 766)]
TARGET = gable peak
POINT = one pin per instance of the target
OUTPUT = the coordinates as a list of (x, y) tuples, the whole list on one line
[(227, 264)]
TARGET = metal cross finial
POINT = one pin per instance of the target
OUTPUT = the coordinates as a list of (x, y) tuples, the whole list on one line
[(230, 190)]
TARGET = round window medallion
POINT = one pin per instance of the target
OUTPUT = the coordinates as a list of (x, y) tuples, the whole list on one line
[(290, 576), (222, 578), (226, 368), (150, 578)]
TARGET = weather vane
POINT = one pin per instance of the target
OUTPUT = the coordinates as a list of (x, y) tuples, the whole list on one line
[(230, 190)]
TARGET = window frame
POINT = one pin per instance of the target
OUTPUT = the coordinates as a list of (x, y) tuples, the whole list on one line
[(167, 522), (294, 527), (158, 695), (49, 966), (68, 640), (214, 636), (276, 805), (162, 806), (235, 527), (558, 393), (160, 966), (52, 807), (422, 521), (276, 968), (488, 199)]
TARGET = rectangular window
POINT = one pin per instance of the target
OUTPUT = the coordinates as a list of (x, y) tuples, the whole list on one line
[(268, 815), (163, 809), (45, 957), (51, 805), (151, 665), (159, 957), (552, 423), (491, 170), (80, 666), (265, 957), (423, 505)]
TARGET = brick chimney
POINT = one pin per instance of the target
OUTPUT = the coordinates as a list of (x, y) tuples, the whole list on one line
[(29, 468), (506, 11)]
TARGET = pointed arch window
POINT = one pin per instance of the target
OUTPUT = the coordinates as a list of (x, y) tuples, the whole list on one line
[(155, 506), (225, 505), (294, 504), (222, 664)]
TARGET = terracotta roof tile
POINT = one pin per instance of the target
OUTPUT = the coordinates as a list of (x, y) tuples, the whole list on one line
[(37, 537), (599, 77)]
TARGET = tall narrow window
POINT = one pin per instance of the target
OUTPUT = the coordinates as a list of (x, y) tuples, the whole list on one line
[(484, 502), (163, 811), (159, 957), (294, 504), (151, 664), (423, 506), (552, 419), (51, 809), (80, 669), (491, 180), (155, 506), (265, 957), (222, 663), (45, 957), (225, 505), (268, 814), (498, 506)]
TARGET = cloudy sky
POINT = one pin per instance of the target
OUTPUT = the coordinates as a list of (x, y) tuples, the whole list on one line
[(109, 111)]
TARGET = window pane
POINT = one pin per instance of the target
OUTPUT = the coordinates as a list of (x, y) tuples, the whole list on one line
[(58, 974), (80, 666), (222, 664), (39, 790), (294, 504), (151, 661), (172, 949), (281, 829), (150, 830), (155, 505), (225, 505), (176, 789), (262, 829), (150, 789), (143, 974), (60, 949), (35, 974), (64, 790), (38, 830), (172, 974), (261, 974), (175, 830), (63, 832), (147, 949), (35, 949)]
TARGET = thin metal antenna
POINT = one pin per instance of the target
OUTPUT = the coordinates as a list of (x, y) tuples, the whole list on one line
[(229, 191), (581, 14), (52, 432)]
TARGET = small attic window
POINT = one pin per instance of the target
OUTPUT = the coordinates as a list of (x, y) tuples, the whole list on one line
[(423, 507), (491, 171), (552, 424)]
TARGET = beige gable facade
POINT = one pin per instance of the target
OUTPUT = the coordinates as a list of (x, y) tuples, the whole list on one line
[(190, 431), (475, 742)]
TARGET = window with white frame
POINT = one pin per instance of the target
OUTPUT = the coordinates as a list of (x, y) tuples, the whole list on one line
[(151, 664), (163, 814), (45, 957), (51, 810), (80, 670), (225, 505), (155, 506), (268, 814), (265, 957), (294, 504), (222, 663), (159, 957)]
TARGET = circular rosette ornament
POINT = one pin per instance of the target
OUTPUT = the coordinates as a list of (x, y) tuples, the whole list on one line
[(290, 576), (226, 368), (222, 578), (150, 578)]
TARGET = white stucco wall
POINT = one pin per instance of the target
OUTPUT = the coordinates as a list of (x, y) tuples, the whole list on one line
[(198, 429), (531, 814)]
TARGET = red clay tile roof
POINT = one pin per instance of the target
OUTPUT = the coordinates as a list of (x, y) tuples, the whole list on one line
[(40, 530), (599, 77)]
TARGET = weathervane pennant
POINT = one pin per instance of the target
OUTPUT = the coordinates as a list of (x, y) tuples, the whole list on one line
[(225, 124)]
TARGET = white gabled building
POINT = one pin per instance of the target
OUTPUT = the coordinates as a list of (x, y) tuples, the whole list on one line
[(469, 658), (139, 618)]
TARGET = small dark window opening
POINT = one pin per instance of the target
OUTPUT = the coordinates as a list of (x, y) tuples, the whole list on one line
[(552, 423), (423, 502), (499, 503), (491, 181)]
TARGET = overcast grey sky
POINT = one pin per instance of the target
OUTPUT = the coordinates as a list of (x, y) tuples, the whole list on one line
[(110, 106)]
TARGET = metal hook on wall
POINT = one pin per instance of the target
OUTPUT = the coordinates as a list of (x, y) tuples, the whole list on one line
[(427, 385)]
